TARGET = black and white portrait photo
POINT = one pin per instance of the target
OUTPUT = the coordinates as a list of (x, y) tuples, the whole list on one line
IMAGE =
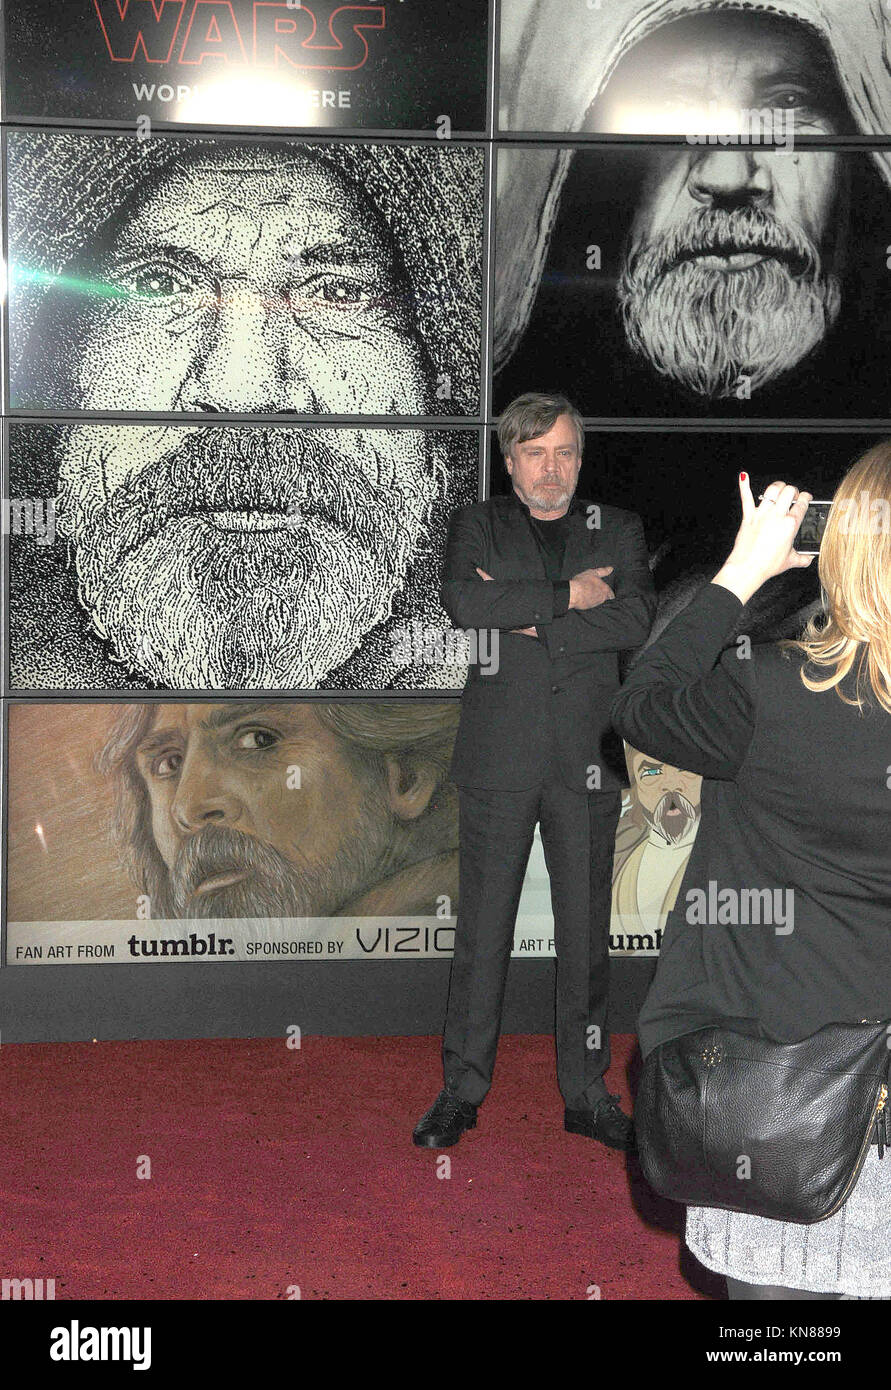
[(740, 271), (221, 557), (170, 274), (640, 67)]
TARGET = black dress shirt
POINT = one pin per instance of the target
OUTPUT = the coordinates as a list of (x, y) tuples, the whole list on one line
[(551, 535)]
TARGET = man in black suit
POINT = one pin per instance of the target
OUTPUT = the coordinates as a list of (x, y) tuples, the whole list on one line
[(530, 749)]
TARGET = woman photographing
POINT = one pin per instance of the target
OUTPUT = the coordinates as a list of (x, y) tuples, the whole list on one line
[(778, 949)]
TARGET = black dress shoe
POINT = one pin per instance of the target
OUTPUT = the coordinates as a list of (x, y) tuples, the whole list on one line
[(444, 1122), (605, 1121)]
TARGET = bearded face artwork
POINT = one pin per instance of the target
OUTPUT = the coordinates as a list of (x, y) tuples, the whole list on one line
[(668, 797), (726, 297), (672, 817), (213, 824), (220, 872), (251, 280), (247, 559), (253, 558), (726, 233), (244, 280), (727, 274), (218, 838)]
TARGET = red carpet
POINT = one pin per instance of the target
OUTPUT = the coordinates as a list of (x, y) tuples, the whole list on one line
[(272, 1168)]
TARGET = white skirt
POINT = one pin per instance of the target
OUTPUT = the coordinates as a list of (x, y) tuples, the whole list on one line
[(848, 1253)]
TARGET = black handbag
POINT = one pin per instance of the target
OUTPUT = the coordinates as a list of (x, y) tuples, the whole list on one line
[(777, 1130)]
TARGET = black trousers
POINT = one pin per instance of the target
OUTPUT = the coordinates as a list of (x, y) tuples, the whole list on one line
[(496, 830)]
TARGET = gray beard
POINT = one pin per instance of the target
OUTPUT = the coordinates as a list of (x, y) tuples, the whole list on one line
[(548, 504), (191, 605), (274, 887), (708, 329), (656, 818)]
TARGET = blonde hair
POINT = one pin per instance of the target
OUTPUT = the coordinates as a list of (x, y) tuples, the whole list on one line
[(854, 565)]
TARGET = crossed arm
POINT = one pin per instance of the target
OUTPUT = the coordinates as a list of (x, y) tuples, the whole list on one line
[(618, 623)]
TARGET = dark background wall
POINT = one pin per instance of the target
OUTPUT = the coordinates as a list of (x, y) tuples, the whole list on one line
[(58, 1003)]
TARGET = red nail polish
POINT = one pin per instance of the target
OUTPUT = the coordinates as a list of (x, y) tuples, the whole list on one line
[(742, 477)]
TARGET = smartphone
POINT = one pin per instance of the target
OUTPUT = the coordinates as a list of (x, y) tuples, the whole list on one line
[(810, 532)]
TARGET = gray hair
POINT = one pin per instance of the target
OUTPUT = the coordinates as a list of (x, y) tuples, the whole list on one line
[(532, 414), (418, 733)]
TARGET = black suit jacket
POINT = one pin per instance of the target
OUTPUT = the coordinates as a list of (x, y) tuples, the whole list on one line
[(795, 823), (549, 694)]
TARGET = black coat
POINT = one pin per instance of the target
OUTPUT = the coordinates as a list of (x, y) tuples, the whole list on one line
[(550, 693), (795, 799)]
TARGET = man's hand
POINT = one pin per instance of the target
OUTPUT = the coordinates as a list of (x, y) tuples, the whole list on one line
[(526, 631), (587, 589)]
